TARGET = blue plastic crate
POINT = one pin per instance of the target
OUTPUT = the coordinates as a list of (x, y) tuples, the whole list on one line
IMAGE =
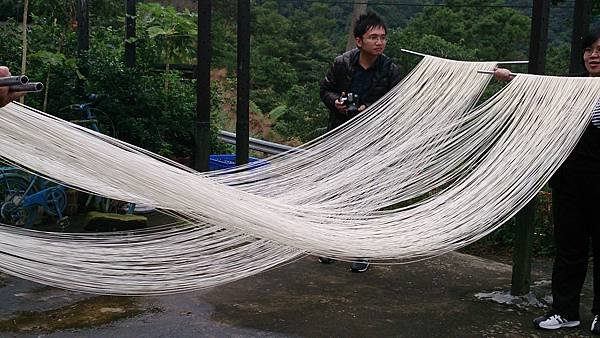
[(216, 162)]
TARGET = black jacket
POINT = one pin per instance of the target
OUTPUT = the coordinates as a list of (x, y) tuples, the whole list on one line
[(584, 160), (339, 79)]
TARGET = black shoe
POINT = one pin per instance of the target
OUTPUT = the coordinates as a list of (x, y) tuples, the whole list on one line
[(553, 321), (596, 325), (325, 260), (359, 266)]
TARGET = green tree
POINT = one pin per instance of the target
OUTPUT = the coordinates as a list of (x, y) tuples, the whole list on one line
[(427, 44), (494, 33), (304, 117), (290, 55), (224, 40), (174, 33)]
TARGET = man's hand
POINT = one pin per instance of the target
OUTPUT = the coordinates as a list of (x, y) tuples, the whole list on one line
[(341, 107), (5, 96), (502, 74)]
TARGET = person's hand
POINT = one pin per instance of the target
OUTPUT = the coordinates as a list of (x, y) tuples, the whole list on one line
[(5, 96), (502, 74), (341, 107), (361, 108)]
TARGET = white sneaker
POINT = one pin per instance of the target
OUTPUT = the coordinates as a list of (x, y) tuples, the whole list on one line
[(553, 321), (595, 325)]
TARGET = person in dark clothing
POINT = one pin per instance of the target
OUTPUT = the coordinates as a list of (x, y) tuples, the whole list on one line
[(363, 71), (575, 196), (362, 76)]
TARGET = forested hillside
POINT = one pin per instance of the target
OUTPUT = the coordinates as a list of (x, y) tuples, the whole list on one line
[(303, 36)]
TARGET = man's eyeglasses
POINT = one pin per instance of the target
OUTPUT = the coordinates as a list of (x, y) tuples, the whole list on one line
[(376, 38)]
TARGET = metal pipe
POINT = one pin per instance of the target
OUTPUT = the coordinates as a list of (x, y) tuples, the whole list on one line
[(413, 52), (512, 62), (13, 80), (256, 144), (28, 87), (499, 62)]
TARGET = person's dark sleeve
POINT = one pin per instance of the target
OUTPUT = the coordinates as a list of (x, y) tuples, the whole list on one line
[(395, 76), (330, 89)]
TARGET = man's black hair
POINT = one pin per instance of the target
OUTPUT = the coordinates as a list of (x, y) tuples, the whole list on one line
[(366, 22), (590, 38)]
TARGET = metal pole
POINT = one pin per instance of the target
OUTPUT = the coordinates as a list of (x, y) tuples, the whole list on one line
[(243, 83), (408, 51), (202, 128), (525, 219), (538, 41), (130, 33), (581, 24)]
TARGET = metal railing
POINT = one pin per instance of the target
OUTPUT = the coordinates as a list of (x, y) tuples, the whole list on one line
[(266, 147)]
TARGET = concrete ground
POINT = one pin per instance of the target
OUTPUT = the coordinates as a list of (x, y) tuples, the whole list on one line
[(441, 297)]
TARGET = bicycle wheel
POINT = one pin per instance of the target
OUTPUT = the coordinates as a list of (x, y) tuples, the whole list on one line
[(12, 193), (90, 117), (56, 201), (104, 122)]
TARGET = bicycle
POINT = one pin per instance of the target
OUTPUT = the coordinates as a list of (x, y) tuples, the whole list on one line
[(90, 116), (23, 194)]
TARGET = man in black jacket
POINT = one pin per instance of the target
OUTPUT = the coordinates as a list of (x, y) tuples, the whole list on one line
[(357, 79), (365, 72)]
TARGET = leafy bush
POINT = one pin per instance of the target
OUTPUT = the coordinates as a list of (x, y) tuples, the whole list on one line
[(149, 107)]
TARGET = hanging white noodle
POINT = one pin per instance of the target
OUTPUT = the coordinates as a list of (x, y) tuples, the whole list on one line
[(468, 171)]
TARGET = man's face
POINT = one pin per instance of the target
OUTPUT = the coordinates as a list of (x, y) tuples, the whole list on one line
[(373, 42)]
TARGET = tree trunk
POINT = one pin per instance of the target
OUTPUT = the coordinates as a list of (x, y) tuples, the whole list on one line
[(167, 68), (24, 45), (359, 9), (46, 85)]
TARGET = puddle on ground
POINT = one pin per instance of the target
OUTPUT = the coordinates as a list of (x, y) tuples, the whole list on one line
[(504, 297), (90, 312)]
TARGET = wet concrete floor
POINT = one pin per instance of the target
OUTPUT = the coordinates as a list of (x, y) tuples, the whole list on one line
[(433, 298)]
